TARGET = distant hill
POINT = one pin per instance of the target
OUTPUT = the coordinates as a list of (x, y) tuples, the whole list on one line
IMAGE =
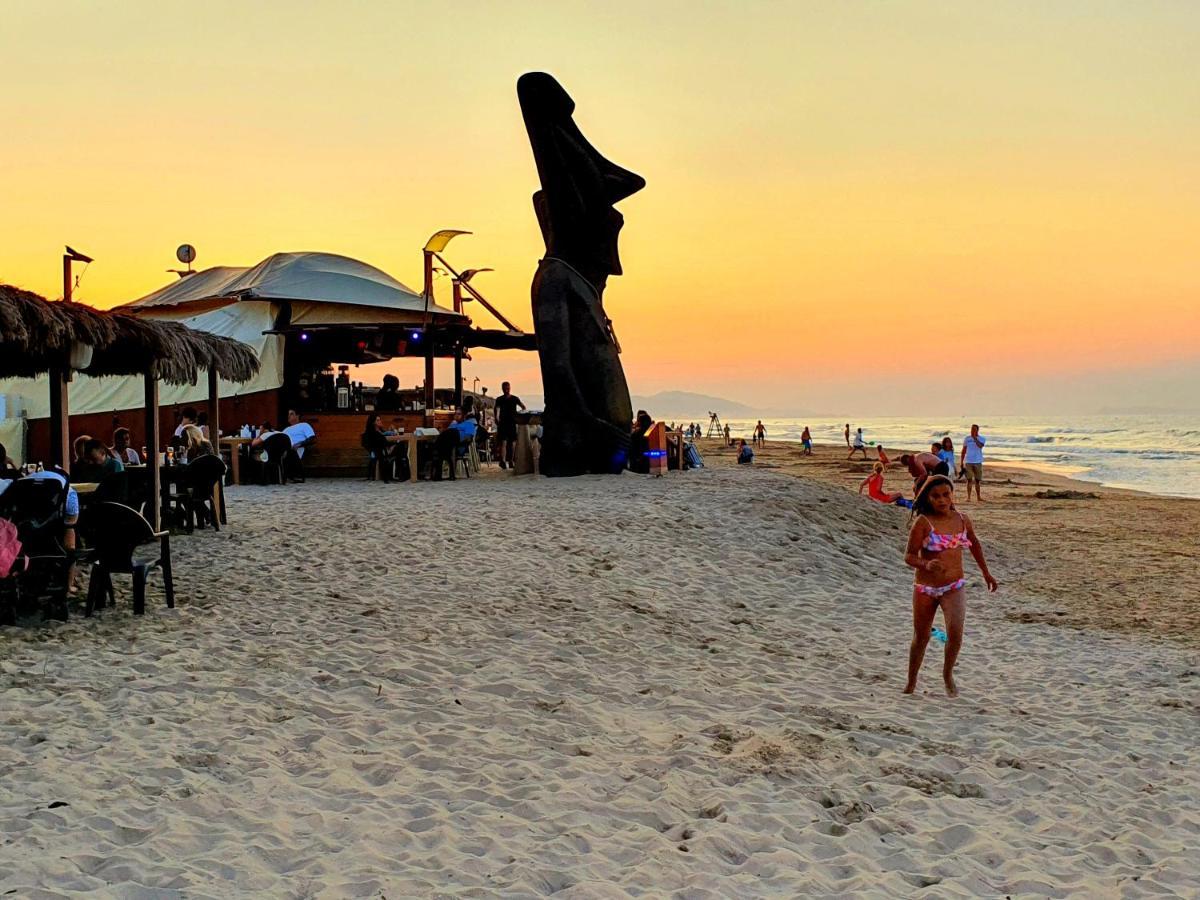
[(688, 405)]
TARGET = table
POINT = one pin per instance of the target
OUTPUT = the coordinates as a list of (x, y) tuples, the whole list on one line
[(411, 440), (235, 445)]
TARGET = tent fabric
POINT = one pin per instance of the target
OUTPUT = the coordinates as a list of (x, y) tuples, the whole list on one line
[(245, 322), (322, 278)]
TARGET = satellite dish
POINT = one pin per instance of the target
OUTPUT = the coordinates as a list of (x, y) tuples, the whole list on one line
[(186, 254)]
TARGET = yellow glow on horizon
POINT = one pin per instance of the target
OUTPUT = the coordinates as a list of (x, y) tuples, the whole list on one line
[(836, 194)]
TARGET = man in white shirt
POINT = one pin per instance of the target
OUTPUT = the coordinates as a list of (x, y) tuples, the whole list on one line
[(302, 435), (971, 460), (187, 417)]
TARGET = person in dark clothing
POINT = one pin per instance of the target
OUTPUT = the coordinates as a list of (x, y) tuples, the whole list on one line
[(388, 398), (381, 447), (506, 423), (638, 443)]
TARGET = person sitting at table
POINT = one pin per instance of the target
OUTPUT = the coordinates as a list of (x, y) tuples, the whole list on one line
[(77, 457), (100, 460), (202, 424), (388, 398), (121, 449), (194, 444), (186, 417), (302, 435), (381, 448), (8, 468), (461, 431)]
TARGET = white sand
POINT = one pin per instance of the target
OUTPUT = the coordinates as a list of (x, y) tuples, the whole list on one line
[(596, 687)]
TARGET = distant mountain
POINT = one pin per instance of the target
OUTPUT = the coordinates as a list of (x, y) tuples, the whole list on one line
[(689, 405)]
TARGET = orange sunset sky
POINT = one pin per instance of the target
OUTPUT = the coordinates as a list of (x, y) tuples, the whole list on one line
[(874, 207)]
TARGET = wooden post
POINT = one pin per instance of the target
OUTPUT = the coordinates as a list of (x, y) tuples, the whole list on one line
[(428, 378), (154, 514), (60, 422), (214, 410), (458, 350)]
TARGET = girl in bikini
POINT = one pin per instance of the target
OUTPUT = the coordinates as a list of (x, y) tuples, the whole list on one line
[(936, 542)]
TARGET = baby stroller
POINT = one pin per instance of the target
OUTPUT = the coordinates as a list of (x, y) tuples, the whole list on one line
[(36, 509)]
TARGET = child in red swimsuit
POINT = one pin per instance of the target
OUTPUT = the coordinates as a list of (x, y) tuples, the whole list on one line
[(936, 542)]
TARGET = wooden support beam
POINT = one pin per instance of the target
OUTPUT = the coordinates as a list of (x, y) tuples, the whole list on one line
[(214, 409), (60, 420), (154, 513)]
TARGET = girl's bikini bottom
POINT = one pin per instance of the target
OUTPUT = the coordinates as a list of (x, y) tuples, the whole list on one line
[(935, 592)]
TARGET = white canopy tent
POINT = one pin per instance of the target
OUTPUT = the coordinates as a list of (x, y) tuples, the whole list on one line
[(309, 290)]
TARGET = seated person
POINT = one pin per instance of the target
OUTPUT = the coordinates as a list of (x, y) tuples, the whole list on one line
[(745, 454), (202, 424), (388, 398), (96, 462), (78, 460), (639, 443), (302, 436), (380, 446), (874, 487), (186, 417), (460, 431), (194, 444), (121, 449), (8, 469)]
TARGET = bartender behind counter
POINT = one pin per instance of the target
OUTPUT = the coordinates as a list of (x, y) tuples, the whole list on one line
[(388, 398)]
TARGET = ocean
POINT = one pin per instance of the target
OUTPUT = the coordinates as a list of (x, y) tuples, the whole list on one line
[(1159, 454)]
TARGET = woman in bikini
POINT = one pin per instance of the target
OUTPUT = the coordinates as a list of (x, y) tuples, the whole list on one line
[(936, 542)]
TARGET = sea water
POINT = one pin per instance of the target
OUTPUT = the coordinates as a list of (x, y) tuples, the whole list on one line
[(1159, 453)]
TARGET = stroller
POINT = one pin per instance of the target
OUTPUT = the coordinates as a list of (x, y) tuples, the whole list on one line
[(36, 510)]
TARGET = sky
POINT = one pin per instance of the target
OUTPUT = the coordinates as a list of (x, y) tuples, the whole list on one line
[(884, 208)]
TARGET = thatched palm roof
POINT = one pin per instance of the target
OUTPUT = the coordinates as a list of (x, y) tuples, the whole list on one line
[(36, 334)]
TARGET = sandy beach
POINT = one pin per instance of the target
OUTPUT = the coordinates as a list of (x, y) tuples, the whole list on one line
[(608, 687), (1096, 558)]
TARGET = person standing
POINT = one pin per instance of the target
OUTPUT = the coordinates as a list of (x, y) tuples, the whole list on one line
[(760, 434), (506, 423), (806, 440), (860, 445), (847, 435), (972, 461)]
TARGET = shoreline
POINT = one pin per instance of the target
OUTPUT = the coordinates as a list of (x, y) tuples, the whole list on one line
[(1000, 464), (1086, 556)]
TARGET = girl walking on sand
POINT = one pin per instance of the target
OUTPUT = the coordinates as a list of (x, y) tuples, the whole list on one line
[(936, 542)]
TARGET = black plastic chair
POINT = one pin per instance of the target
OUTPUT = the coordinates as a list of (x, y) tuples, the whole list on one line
[(196, 498), (121, 531), (278, 448)]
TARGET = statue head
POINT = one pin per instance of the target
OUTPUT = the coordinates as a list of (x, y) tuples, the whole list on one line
[(579, 186)]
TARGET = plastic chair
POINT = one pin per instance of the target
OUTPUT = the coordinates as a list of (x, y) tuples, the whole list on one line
[(121, 531), (199, 492), (278, 447)]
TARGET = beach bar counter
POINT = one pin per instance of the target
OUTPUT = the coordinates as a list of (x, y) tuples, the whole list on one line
[(310, 318)]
